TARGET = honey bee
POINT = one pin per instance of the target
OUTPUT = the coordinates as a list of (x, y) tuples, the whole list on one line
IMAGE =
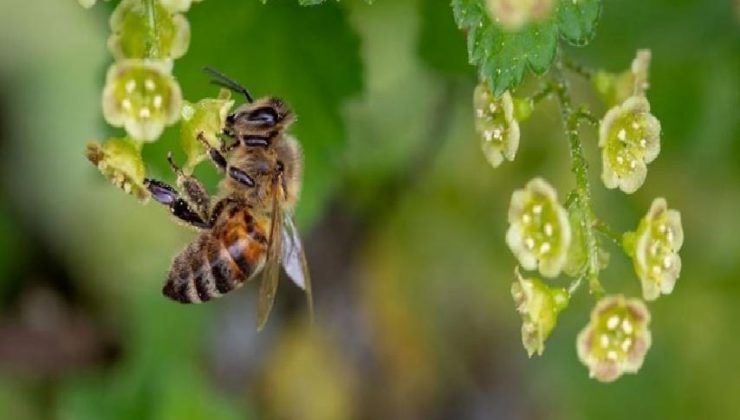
[(249, 228)]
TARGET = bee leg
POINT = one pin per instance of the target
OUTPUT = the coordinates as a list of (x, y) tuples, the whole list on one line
[(195, 193), (167, 195), (217, 158), (227, 147)]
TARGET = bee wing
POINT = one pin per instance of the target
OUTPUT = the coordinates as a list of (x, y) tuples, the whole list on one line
[(271, 273), (294, 259)]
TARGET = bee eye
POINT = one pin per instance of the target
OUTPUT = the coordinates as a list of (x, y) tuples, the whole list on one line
[(263, 116)]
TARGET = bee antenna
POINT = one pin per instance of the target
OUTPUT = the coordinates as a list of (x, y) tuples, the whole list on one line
[(223, 80)]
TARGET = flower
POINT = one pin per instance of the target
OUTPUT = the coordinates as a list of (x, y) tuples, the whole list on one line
[(512, 15), (616, 88), (654, 249), (206, 116), (539, 306), (496, 125), (120, 161), (87, 3), (616, 339), (539, 233), (142, 97), (178, 5), (134, 35), (629, 138)]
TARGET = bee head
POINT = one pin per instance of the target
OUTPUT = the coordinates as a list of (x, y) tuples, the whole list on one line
[(262, 114)]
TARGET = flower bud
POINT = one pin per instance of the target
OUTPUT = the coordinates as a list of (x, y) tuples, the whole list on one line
[(513, 15), (539, 306)]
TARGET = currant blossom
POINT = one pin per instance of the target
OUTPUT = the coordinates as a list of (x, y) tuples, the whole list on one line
[(616, 339), (512, 15), (119, 160), (206, 117), (539, 306), (615, 88), (654, 249), (496, 125), (132, 34), (539, 231), (629, 138), (142, 97)]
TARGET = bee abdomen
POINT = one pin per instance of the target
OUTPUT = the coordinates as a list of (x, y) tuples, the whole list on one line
[(209, 268)]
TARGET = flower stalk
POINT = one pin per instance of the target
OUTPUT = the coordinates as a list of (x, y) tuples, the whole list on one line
[(152, 49), (579, 166)]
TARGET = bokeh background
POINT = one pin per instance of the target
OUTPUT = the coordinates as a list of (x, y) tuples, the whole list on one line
[(402, 217)]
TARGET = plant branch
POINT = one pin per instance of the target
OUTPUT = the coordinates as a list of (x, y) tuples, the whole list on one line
[(585, 115), (546, 90), (579, 167), (577, 68)]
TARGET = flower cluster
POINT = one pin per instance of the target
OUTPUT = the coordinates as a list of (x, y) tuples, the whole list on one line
[(539, 231), (552, 238), (539, 306), (141, 94), (654, 249), (496, 125), (616, 339)]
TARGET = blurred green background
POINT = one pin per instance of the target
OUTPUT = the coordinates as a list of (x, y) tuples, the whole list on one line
[(402, 217)]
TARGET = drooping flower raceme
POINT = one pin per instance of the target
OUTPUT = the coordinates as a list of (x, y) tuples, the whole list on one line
[(496, 125), (206, 116), (616, 339), (539, 306), (119, 160), (141, 32), (141, 96), (629, 138), (654, 249), (512, 15), (539, 231)]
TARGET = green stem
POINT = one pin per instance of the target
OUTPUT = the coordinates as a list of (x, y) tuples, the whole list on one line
[(577, 68), (543, 93), (606, 230), (584, 114), (579, 167), (152, 50)]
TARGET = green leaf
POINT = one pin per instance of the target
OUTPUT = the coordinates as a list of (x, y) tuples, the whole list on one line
[(503, 57), (309, 57)]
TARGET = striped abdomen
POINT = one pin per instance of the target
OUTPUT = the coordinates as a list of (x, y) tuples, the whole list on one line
[(218, 261)]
